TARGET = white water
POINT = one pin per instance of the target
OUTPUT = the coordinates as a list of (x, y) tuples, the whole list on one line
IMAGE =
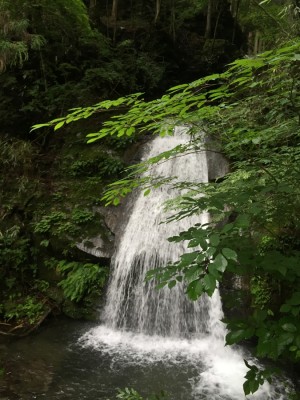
[(142, 325)]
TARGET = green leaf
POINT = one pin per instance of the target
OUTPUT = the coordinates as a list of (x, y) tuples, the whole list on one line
[(289, 327), (210, 252), (220, 262), (203, 243), (242, 221), (214, 240), (213, 271), (130, 131), (188, 258), (227, 227), (295, 299), (191, 273), (235, 336), (254, 385), (201, 257), (246, 387), (59, 125), (295, 311), (161, 285), (285, 339), (209, 284), (229, 254), (171, 284), (256, 140), (260, 315), (195, 289), (38, 126)]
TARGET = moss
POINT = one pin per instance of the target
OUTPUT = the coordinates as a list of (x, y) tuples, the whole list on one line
[(87, 310), (56, 295)]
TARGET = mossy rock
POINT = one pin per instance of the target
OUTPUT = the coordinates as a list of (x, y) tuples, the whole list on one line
[(76, 311), (55, 294)]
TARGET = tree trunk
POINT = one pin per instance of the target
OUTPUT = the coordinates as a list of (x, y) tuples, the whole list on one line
[(114, 10), (235, 13), (216, 26), (208, 19), (256, 43), (250, 43), (172, 22), (114, 14), (157, 10)]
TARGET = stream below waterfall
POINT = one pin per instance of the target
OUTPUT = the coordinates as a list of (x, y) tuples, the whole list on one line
[(148, 339), (52, 365)]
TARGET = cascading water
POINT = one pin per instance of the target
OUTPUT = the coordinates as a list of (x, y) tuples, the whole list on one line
[(142, 325), (133, 304)]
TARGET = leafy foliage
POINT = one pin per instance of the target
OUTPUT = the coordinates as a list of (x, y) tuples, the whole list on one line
[(128, 394), (15, 40), (261, 292), (80, 279), (59, 222), (132, 394), (28, 309), (251, 113), (14, 251), (102, 165)]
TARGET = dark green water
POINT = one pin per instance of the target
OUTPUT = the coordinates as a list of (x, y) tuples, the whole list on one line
[(49, 365)]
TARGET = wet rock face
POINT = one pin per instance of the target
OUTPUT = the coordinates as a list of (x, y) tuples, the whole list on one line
[(101, 247), (97, 247), (217, 166)]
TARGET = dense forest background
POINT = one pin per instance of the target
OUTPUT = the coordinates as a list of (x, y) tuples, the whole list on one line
[(70, 54)]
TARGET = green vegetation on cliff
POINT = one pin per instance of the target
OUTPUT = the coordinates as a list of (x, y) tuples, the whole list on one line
[(62, 54)]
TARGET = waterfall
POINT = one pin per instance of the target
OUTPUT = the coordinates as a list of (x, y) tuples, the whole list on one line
[(132, 304), (142, 325)]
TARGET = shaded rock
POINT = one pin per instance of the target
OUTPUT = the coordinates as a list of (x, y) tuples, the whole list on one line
[(97, 247)]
